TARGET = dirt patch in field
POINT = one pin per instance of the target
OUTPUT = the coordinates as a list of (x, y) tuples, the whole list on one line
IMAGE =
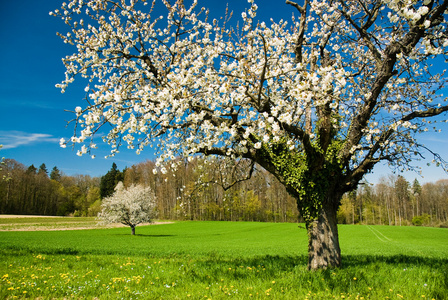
[(48, 228), (25, 216), (62, 223)]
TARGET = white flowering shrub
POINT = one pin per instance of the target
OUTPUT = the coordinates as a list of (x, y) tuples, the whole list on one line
[(2, 159), (129, 206), (2, 162), (317, 100)]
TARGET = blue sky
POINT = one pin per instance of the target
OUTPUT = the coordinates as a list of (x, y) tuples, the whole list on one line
[(32, 118)]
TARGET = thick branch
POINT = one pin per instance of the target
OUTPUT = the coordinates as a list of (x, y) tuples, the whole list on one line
[(299, 8), (385, 69), (300, 37), (263, 73)]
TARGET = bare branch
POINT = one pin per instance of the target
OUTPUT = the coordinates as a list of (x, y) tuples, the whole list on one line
[(430, 112), (299, 8)]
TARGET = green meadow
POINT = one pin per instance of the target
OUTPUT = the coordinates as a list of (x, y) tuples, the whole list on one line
[(219, 260)]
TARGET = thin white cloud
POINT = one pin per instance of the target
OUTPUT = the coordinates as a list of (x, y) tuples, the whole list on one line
[(15, 139), (435, 139)]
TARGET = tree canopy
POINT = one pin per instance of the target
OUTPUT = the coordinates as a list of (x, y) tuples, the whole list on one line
[(317, 101)]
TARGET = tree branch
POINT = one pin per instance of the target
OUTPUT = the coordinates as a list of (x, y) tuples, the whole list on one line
[(385, 69), (430, 112), (234, 182), (363, 34), (263, 73), (300, 37), (299, 8), (369, 161)]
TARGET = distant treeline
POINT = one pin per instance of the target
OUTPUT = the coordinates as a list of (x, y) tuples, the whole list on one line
[(35, 191), (209, 190)]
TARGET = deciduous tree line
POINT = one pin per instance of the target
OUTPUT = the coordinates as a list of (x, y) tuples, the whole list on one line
[(395, 201), (197, 190), (36, 191)]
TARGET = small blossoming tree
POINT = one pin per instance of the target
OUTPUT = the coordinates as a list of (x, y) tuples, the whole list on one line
[(1, 159), (317, 101), (2, 162), (129, 206)]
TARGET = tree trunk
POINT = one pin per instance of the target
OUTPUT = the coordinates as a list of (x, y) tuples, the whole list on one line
[(323, 241), (133, 230)]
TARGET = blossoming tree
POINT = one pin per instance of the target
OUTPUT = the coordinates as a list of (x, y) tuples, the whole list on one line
[(316, 101), (2, 162), (129, 206)]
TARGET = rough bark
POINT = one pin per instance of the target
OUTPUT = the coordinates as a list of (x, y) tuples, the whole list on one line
[(323, 241), (133, 230)]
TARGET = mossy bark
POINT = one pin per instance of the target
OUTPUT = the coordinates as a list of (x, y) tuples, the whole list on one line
[(323, 240)]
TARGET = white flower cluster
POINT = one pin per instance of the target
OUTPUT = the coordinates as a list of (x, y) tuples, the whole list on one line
[(185, 84)]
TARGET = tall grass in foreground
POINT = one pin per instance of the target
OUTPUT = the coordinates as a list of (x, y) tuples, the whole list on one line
[(218, 260)]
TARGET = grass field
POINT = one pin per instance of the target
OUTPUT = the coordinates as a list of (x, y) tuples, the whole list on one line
[(220, 260)]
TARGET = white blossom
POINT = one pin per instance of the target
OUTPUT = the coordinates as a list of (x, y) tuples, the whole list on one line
[(129, 206)]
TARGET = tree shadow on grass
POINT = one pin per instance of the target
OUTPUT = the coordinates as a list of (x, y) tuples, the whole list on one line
[(269, 268), (349, 261), (145, 235), (154, 235), (273, 264)]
